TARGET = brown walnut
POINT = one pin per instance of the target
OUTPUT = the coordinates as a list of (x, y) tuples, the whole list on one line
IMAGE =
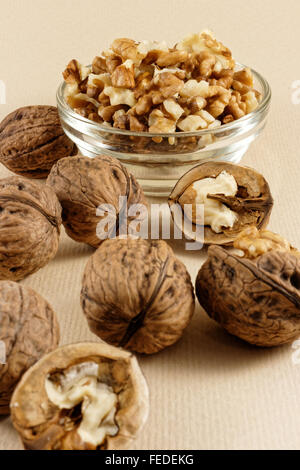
[(32, 140), (30, 218), (137, 294), (256, 298), (252, 202), (28, 330), (71, 370), (82, 184)]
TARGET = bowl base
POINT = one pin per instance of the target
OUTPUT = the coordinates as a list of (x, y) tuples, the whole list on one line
[(158, 180)]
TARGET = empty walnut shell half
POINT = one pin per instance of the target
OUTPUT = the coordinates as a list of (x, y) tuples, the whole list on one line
[(233, 196), (137, 294), (85, 396), (32, 140), (28, 330), (30, 218), (255, 296), (83, 184)]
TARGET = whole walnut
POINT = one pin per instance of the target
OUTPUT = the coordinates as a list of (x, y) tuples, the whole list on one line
[(30, 218), (28, 330), (233, 198), (136, 294), (32, 140), (82, 184), (253, 290), (85, 396)]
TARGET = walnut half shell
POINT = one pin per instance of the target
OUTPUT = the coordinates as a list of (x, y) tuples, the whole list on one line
[(251, 204), (137, 294), (101, 399), (256, 298)]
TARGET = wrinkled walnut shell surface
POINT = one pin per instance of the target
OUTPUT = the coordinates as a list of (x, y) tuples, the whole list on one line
[(253, 202), (32, 140), (28, 328), (30, 218), (256, 300), (137, 294), (41, 424), (82, 184)]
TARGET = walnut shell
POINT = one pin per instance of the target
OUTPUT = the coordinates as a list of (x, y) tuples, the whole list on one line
[(253, 202), (28, 329), (82, 184), (32, 140), (30, 218), (257, 300), (43, 425), (137, 294)]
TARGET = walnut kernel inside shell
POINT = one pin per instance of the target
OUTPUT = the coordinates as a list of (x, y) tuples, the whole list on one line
[(216, 214), (234, 197), (80, 385)]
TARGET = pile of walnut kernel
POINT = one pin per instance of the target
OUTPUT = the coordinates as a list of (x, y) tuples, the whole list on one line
[(148, 87)]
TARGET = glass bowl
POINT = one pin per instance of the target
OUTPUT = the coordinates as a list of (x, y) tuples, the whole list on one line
[(158, 164)]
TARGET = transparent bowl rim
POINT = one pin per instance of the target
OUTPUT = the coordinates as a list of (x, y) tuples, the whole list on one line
[(266, 98)]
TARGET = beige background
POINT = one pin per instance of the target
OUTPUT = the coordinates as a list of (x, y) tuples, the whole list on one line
[(209, 391)]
